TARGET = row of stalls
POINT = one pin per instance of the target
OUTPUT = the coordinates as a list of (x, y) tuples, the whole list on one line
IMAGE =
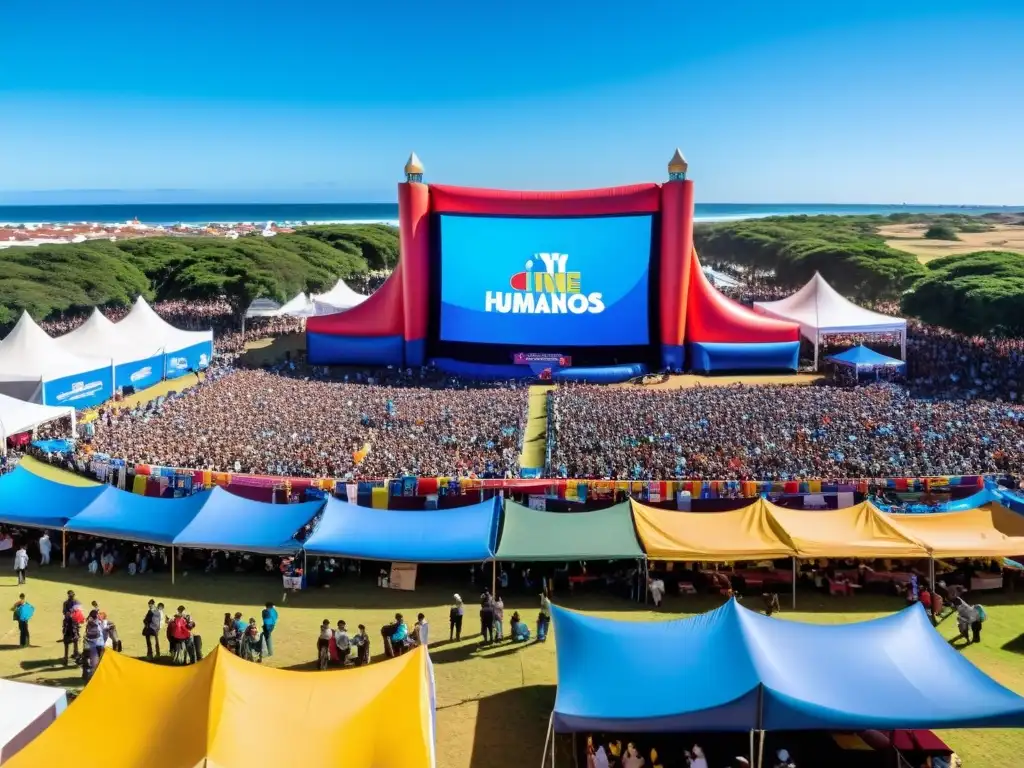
[(502, 530), (90, 364)]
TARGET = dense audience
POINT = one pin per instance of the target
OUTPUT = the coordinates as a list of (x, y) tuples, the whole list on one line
[(281, 423), (778, 432)]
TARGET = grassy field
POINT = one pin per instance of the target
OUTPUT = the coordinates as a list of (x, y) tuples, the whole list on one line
[(493, 703)]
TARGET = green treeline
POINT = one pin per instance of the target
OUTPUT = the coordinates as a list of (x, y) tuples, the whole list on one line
[(977, 293), (846, 250), (54, 278)]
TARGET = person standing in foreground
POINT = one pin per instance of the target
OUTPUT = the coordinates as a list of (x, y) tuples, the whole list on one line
[(21, 563), (45, 546), (23, 611), (543, 618), (269, 616), (455, 619), (499, 619)]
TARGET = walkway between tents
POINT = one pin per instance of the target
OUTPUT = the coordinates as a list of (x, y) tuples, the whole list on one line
[(535, 441)]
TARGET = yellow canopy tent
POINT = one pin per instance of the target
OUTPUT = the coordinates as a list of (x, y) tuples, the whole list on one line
[(858, 531), (228, 713), (969, 533), (742, 534)]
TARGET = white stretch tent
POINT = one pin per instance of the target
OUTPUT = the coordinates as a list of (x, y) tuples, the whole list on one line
[(338, 299), (820, 310), (18, 416), (25, 712), (30, 360)]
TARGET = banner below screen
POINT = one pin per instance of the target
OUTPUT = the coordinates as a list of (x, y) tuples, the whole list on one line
[(578, 282)]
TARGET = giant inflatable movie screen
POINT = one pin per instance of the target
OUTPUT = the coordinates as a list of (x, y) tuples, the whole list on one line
[(545, 282)]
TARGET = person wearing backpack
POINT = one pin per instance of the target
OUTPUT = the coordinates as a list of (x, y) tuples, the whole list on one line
[(23, 611), (979, 619), (178, 635)]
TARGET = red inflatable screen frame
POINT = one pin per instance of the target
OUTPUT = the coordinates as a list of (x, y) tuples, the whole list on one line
[(610, 201)]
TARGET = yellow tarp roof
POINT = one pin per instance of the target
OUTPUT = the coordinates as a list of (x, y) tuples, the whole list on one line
[(742, 534), (228, 713), (989, 531), (858, 531)]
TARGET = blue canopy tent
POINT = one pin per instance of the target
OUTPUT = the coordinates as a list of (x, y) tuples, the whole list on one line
[(230, 522), (742, 671), (862, 359), (35, 502), (458, 535), (130, 517)]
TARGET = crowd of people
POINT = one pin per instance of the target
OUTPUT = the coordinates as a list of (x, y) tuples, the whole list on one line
[(779, 432), (295, 423)]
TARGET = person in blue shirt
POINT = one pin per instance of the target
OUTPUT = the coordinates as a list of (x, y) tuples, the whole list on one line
[(269, 622), (399, 636), (23, 611), (240, 626)]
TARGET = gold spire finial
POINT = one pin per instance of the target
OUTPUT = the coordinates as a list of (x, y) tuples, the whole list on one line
[(677, 166), (413, 168)]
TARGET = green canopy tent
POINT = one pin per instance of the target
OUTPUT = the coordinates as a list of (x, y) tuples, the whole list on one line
[(532, 535)]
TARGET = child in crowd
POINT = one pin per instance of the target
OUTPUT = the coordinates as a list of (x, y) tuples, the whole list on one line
[(362, 644)]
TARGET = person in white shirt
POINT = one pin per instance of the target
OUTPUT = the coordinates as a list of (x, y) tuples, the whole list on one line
[(156, 624), (657, 587), (342, 642), (44, 549), (632, 758), (421, 630), (696, 758), (21, 563)]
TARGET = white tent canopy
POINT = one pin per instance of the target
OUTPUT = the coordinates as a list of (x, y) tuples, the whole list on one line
[(98, 335), (338, 299), (263, 308), (144, 326), (299, 306), (18, 416), (820, 309), (25, 712), (29, 358)]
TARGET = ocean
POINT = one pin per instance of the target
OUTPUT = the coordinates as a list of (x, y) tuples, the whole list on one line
[(331, 213)]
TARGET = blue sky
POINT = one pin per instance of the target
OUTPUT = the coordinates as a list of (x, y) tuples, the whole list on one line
[(790, 101)]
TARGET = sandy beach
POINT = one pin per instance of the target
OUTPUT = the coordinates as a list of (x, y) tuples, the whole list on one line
[(910, 238)]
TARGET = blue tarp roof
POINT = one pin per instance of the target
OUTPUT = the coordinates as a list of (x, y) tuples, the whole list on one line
[(460, 535), (862, 357), (231, 522), (128, 516), (737, 670), (28, 499)]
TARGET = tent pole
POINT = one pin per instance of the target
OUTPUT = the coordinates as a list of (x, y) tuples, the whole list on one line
[(494, 576), (816, 339), (63, 548), (547, 737), (172, 563), (647, 576), (760, 751), (794, 582), (752, 746), (903, 344)]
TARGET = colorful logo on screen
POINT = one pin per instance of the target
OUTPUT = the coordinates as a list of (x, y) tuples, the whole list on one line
[(552, 291)]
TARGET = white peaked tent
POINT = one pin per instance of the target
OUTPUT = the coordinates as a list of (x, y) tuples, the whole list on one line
[(263, 308), (299, 306), (18, 416), (98, 335), (25, 712), (820, 310), (144, 326), (338, 299), (30, 359)]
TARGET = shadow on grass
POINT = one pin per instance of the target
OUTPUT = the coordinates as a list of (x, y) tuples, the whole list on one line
[(514, 722), (1016, 645)]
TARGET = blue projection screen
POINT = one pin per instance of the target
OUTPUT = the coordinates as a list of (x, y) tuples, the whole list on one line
[(545, 282)]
